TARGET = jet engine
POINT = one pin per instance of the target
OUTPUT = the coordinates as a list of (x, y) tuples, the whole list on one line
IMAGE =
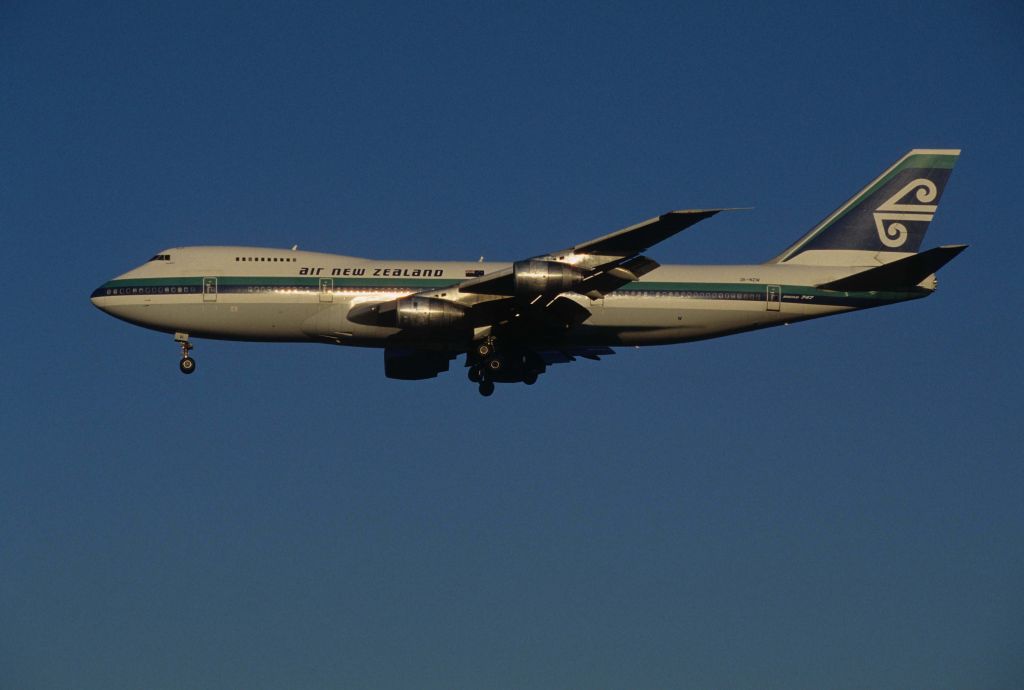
[(534, 277), (414, 313)]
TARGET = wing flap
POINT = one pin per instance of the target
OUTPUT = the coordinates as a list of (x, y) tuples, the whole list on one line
[(564, 355), (566, 312), (612, 279), (414, 364)]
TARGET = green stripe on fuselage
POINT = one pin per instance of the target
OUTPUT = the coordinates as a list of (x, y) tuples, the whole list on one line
[(760, 291), (709, 291), (276, 281)]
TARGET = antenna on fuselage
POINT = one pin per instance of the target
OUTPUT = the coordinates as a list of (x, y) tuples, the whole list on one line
[(294, 247)]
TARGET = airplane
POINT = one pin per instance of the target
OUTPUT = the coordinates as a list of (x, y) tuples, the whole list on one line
[(514, 320)]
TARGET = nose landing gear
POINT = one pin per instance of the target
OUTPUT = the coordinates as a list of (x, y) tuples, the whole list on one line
[(187, 364)]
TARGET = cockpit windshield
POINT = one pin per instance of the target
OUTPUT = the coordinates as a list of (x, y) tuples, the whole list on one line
[(161, 257)]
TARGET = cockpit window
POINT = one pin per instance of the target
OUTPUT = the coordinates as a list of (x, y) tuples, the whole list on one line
[(161, 257)]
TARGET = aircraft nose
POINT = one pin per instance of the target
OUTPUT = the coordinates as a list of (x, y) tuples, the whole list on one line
[(97, 297)]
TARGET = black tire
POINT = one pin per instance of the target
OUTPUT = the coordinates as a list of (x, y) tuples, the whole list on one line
[(486, 388), (187, 365), (475, 374), (530, 378)]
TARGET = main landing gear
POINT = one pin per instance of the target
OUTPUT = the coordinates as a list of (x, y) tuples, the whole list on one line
[(478, 374), (489, 364), (187, 364)]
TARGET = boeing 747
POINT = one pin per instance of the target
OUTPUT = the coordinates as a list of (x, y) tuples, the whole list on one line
[(513, 320)]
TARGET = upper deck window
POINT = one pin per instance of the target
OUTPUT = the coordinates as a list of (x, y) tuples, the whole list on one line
[(243, 258)]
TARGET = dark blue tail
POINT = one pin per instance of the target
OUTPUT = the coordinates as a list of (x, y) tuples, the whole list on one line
[(891, 214)]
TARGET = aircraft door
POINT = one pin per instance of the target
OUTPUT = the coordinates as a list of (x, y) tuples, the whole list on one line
[(774, 297), (209, 289), (327, 289)]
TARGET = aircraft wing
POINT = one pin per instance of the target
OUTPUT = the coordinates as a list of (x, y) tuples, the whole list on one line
[(593, 268), (528, 297), (532, 292), (639, 238)]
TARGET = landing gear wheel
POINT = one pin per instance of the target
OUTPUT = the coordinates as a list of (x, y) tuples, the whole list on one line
[(486, 388), (494, 364), (484, 348), (530, 378), (187, 364), (475, 374)]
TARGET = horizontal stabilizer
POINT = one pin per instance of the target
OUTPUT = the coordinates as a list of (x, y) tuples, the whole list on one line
[(903, 273)]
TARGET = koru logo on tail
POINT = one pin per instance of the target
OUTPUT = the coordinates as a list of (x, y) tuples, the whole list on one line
[(890, 217)]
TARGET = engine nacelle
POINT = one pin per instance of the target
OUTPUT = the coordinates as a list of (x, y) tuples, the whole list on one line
[(535, 277), (414, 313), (428, 313)]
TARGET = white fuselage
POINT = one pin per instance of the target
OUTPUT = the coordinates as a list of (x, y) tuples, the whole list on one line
[(245, 293)]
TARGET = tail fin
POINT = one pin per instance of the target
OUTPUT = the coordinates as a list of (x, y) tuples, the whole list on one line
[(891, 214)]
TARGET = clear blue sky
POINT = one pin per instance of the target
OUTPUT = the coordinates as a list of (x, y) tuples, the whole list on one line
[(835, 504)]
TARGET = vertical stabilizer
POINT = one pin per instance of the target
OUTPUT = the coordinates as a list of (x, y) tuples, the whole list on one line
[(885, 220)]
